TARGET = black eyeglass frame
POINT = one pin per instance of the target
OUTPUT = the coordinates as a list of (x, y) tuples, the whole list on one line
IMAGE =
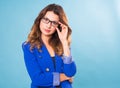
[(53, 23)]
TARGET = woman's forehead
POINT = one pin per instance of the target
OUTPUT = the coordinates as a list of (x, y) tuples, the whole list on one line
[(51, 15)]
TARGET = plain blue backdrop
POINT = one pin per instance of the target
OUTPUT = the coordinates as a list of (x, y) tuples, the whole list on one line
[(95, 40)]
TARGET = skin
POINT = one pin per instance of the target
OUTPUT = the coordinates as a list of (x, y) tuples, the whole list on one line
[(47, 31)]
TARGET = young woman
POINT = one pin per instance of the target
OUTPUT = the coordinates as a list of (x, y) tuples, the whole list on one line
[(47, 50)]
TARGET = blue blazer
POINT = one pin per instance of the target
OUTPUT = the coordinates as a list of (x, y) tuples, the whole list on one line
[(40, 67)]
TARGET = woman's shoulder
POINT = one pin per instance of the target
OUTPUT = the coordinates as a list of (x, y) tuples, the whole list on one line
[(26, 45)]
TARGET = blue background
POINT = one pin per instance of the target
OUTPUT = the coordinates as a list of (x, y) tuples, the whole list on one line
[(95, 40)]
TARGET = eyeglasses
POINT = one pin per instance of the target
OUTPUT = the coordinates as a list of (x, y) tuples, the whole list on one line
[(53, 23)]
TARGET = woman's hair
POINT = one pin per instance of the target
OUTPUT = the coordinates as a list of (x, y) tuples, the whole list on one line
[(34, 37)]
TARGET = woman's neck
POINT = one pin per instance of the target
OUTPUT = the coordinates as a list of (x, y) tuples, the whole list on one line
[(45, 39)]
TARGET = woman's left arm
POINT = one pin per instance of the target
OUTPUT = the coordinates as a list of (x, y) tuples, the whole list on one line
[(69, 67)]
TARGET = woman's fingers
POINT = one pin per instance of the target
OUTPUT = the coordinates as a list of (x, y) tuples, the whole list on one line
[(71, 80), (62, 25), (58, 30)]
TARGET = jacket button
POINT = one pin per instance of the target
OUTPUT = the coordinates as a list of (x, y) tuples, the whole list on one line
[(47, 69)]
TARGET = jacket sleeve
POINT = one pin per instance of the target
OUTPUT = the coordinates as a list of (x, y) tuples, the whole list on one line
[(69, 66), (38, 77)]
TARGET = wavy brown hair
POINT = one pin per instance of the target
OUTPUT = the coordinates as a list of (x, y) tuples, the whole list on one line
[(34, 37)]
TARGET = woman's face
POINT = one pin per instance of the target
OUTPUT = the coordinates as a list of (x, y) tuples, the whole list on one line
[(49, 23)]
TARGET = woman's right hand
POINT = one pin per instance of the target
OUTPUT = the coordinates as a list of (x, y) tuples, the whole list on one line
[(63, 77)]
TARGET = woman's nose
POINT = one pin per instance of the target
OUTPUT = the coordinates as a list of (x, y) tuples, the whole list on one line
[(49, 24)]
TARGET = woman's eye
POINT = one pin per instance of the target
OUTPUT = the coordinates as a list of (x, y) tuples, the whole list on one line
[(54, 22), (46, 19)]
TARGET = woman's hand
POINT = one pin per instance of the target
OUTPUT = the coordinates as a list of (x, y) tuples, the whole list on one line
[(63, 77), (63, 38), (71, 80), (63, 33)]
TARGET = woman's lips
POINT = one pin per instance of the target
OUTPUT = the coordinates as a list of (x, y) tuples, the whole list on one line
[(47, 30)]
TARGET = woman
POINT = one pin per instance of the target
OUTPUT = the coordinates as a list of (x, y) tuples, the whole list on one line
[(47, 50)]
